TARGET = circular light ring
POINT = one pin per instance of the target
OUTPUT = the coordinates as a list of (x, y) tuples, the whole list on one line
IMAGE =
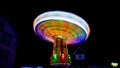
[(49, 24), (63, 16)]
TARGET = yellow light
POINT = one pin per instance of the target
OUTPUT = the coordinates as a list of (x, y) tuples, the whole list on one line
[(114, 64)]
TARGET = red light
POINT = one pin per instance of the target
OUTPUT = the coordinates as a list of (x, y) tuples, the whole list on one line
[(63, 58)]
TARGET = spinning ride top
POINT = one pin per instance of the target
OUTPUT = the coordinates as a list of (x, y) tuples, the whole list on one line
[(61, 28)]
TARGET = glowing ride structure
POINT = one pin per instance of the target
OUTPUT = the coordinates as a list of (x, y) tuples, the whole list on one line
[(61, 28)]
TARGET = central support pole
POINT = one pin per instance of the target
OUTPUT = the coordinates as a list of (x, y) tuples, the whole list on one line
[(60, 55)]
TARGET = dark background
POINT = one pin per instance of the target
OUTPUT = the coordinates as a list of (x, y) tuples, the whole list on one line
[(102, 46)]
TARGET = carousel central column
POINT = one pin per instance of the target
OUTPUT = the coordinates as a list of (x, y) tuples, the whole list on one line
[(60, 52)]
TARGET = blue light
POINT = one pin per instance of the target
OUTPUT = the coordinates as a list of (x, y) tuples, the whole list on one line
[(27, 67), (40, 67), (32, 67)]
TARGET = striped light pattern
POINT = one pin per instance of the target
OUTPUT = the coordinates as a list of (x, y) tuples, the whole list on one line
[(63, 24)]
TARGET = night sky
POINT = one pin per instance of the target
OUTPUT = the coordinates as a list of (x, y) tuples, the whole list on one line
[(102, 46)]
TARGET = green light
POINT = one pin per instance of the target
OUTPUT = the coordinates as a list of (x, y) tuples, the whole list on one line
[(61, 21), (70, 23), (55, 56), (69, 56), (69, 59)]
